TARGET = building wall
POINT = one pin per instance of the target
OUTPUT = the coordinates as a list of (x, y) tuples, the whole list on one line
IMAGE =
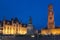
[(51, 31), (30, 29), (14, 29)]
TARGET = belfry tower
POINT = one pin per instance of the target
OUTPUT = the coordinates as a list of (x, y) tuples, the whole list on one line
[(51, 24)]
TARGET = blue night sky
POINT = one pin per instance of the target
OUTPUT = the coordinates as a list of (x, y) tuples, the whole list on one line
[(22, 9)]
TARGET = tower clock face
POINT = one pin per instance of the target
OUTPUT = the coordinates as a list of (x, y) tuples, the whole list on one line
[(50, 18)]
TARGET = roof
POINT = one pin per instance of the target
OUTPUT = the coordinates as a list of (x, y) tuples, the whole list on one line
[(55, 27)]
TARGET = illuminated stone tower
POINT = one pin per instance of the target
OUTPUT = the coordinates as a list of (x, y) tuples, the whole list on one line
[(51, 24)]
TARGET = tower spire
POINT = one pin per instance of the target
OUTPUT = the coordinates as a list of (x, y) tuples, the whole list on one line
[(50, 17), (30, 20), (4, 18)]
